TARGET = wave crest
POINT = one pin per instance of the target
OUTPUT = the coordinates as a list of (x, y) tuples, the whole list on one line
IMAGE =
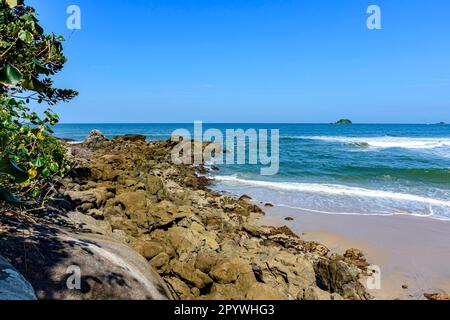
[(336, 189), (383, 142)]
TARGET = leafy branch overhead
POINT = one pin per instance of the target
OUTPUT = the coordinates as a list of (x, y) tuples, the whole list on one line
[(29, 157), (28, 56)]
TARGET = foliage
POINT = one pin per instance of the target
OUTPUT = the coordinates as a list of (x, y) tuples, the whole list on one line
[(29, 157)]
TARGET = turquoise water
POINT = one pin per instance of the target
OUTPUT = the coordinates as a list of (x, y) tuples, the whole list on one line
[(357, 169)]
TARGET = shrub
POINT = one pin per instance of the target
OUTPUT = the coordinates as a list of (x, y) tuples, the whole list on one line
[(30, 157)]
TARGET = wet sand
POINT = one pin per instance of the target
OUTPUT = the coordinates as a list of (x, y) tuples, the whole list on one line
[(411, 251)]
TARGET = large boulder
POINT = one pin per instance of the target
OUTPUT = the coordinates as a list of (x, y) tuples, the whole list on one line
[(95, 139), (340, 277), (75, 258), (132, 201), (13, 285)]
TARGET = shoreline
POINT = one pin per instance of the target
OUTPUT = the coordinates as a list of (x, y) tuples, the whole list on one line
[(178, 239), (411, 251), (185, 241)]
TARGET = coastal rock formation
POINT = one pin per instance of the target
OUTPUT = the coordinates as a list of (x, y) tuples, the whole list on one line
[(203, 245), (95, 138)]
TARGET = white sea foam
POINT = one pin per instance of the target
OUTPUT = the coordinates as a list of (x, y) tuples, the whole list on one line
[(335, 189), (386, 142)]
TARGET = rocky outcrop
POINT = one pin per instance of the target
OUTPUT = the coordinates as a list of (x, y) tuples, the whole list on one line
[(74, 256), (95, 139), (437, 296), (126, 192), (340, 277), (13, 285), (204, 245)]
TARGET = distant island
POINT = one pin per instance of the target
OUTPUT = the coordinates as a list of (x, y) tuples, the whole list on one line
[(344, 121), (441, 123)]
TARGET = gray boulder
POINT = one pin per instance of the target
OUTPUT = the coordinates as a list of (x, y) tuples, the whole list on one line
[(13, 285)]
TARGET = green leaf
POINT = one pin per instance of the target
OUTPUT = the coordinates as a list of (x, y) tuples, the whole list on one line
[(37, 28), (40, 68), (7, 196), (25, 36), (38, 163), (10, 168), (33, 84), (10, 75), (54, 167), (4, 44)]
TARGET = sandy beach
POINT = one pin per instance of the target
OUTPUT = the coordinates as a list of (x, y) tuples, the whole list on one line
[(411, 251)]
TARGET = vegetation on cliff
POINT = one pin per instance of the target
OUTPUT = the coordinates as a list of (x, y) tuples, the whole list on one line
[(344, 121), (29, 156)]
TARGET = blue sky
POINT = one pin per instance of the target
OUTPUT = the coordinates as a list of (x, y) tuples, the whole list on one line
[(254, 61)]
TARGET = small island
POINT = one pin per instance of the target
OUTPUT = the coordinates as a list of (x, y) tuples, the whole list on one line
[(344, 121)]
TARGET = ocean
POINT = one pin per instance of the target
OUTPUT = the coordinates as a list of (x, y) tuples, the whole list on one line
[(376, 169)]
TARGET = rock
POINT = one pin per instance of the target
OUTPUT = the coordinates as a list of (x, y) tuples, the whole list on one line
[(81, 197), (130, 138), (96, 214), (437, 296), (108, 268), (321, 250), (179, 288), (95, 139), (314, 293), (132, 201), (13, 285), (193, 276), (167, 216), (228, 271), (184, 241), (176, 139), (356, 257), (292, 273), (405, 286), (263, 292), (154, 185), (152, 248), (354, 254), (340, 277), (196, 292), (205, 260), (268, 205), (289, 219), (245, 198), (336, 296), (256, 230), (123, 224), (160, 262), (142, 218)]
